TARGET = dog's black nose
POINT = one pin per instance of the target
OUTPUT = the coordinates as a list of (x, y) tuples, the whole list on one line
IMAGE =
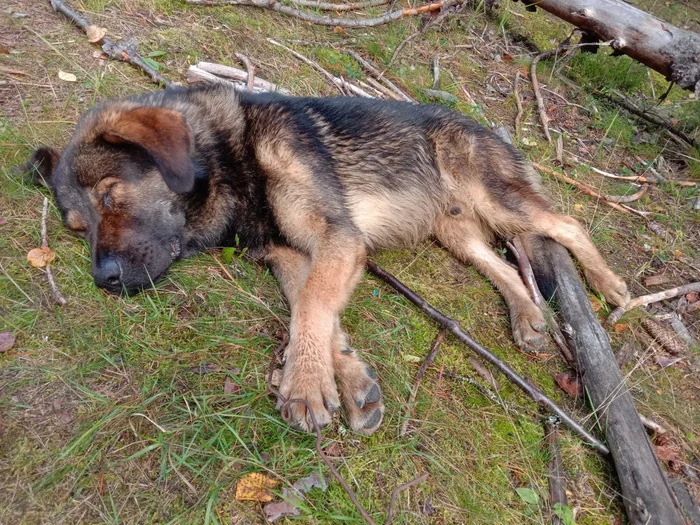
[(107, 273)]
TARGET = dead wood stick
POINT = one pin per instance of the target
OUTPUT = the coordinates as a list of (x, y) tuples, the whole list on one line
[(378, 86), (436, 72), (340, 83), (518, 102), (276, 358), (644, 300), (430, 358), (273, 5), (529, 278), (627, 104), (555, 468), (57, 295), (585, 188), (9, 71), (250, 68), (538, 94), (453, 327), (644, 180), (371, 68), (238, 75), (330, 6), (628, 198), (115, 50)]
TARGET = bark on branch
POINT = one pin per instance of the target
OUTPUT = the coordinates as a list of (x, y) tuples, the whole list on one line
[(673, 52)]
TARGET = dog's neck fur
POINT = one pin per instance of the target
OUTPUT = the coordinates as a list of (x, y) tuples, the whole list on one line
[(227, 206)]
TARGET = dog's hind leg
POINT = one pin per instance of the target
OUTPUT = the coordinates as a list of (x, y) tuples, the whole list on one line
[(359, 389), (463, 237), (568, 232)]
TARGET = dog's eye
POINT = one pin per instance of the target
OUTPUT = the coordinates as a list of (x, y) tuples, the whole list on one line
[(107, 201)]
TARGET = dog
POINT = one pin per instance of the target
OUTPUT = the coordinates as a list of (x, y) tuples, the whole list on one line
[(311, 185)]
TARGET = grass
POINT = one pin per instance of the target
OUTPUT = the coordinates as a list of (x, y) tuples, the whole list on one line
[(105, 414)]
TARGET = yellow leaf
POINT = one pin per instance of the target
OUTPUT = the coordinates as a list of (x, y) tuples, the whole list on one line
[(255, 487), (40, 257), (95, 33), (68, 77), (578, 207), (621, 327)]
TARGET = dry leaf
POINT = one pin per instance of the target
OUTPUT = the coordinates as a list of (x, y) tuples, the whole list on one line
[(692, 297), (292, 498), (569, 384), (255, 487), (621, 327), (276, 378), (578, 207), (333, 450), (230, 387), (7, 341), (205, 368), (338, 30), (40, 257), (68, 77), (95, 34)]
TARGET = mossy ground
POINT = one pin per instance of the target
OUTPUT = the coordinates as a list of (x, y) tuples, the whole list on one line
[(104, 414)]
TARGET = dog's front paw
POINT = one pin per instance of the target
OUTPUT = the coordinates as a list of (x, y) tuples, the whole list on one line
[(362, 397), (529, 327), (313, 383), (614, 288)]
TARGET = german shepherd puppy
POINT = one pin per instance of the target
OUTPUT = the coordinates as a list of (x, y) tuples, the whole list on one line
[(312, 185)]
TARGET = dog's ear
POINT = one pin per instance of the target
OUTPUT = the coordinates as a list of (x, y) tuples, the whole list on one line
[(163, 134), (41, 165)]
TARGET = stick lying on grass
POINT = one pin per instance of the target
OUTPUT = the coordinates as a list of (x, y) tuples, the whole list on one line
[(419, 376), (273, 5), (555, 469), (57, 295), (115, 50), (453, 327), (276, 357), (587, 189), (209, 72), (644, 300)]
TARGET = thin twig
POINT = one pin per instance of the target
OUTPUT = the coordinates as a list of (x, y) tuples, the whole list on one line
[(628, 198), (250, 68), (436, 72), (586, 189), (453, 327), (57, 295), (430, 358), (528, 277), (644, 300), (286, 403), (538, 95), (237, 75), (654, 119), (555, 468), (273, 5), (115, 50), (340, 83), (330, 6), (371, 68), (644, 180), (518, 102)]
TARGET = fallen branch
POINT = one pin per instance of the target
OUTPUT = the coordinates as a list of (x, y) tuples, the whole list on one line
[(371, 68), (430, 358), (518, 102), (627, 104), (116, 50), (644, 300), (644, 180), (57, 295), (586, 189), (628, 198), (250, 69), (529, 278), (273, 5), (340, 83), (436, 72), (276, 358), (237, 75), (453, 327), (330, 6), (555, 469)]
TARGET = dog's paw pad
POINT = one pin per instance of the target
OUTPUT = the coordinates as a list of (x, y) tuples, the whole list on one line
[(361, 395)]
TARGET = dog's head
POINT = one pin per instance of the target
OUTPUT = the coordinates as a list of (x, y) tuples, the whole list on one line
[(117, 184)]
